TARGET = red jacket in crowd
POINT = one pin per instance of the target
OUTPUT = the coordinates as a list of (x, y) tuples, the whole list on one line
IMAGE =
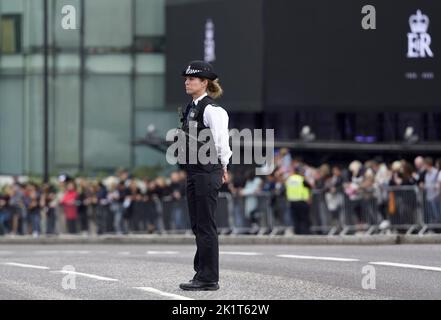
[(70, 208)]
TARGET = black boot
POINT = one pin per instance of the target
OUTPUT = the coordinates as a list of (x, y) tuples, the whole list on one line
[(195, 284)]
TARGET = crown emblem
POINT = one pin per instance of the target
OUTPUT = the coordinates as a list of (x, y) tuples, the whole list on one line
[(419, 23)]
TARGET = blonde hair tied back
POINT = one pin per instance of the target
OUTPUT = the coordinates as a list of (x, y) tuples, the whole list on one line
[(214, 89)]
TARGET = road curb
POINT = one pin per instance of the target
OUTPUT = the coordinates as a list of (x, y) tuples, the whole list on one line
[(226, 239), (229, 239), (417, 239)]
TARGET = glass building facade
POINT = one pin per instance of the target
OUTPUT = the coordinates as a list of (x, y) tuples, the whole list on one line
[(106, 84)]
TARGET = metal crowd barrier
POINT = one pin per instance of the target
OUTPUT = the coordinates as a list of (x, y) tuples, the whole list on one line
[(252, 214), (175, 217), (403, 208), (430, 199), (144, 217), (234, 214), (389, 208), (325, 220), (224, 218), (396, 208), (360, 214), (281, 215)]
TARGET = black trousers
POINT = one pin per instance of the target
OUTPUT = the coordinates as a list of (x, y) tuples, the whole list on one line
[(300, 217), (202, 192)]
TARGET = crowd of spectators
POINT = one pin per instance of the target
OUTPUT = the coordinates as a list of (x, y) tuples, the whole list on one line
[(123, 204)]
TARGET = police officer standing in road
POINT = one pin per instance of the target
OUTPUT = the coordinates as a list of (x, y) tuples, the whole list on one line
[(204, 179)]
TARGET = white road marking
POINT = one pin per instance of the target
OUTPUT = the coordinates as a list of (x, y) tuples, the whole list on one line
[(46, 251), (125, 253), (404, 265), (316, 258), (23, 265), (162, 252), (162, 293), (93, 276), (75, 251), (241, 253)]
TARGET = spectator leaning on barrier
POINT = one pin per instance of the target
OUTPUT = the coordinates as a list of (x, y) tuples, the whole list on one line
[(33, 207), (48, 204), (430, 187), (83, 202), (147, 220), (322, 175), (353, 191), (136, 207), (16, 203), (283, 160), (153, 197), (438, 188), (4, 212), (334, 195), (117, 196), (139, 208), (274, 185), (252, 187), (281, 211), (102, 208), (299, 195), (401, 174), (92, 200), (369, 192), (176, 188), (269, 186), (236, 185), (382, 178), (69, 203), (124, 176), (420, 171)]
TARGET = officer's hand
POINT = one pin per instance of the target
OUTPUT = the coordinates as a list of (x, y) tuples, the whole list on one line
[(225, 176)]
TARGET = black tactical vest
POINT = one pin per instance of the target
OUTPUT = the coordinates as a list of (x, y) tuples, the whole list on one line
[(194, 115)]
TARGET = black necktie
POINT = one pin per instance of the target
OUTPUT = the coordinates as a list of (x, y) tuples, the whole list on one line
[(187, 110), (191, 106)]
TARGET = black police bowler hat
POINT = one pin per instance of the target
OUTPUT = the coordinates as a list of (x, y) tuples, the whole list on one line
[(200, 69)]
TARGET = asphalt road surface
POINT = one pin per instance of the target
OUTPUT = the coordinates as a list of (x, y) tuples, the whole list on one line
[(146, 272)]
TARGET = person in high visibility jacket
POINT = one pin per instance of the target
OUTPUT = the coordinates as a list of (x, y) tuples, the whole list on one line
[(298, 194)]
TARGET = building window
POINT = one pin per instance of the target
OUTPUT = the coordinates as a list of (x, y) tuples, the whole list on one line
[(150, 44), (10, 34)]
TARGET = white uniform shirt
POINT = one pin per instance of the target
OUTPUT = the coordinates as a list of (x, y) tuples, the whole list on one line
[(216, 118)]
